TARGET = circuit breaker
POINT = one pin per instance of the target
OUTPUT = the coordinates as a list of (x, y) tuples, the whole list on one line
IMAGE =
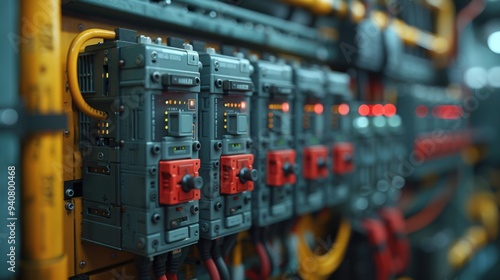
[(227, 159), (275, 156), (338, 133), (141, 182), (310, 139)]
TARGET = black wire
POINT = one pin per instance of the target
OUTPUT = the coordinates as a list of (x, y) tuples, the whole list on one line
[(160, 265), (228, 244), (219, 260), (143, 265), (175, 260)]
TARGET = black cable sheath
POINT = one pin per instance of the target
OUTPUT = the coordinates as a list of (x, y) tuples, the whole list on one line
[(219, 260)]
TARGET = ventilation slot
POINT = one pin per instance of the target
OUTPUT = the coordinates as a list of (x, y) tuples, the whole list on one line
[(86, 73)]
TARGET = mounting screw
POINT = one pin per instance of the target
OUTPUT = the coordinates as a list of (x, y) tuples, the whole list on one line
[(218, 83), (218, 145), (69, 192), (66, 133), (196, 146), (100, 156), (195, 209), (156, 149), (155, 76), (69, 206), (121, 63), (216, 164), (218, 206), (155, 218), (83, 264)]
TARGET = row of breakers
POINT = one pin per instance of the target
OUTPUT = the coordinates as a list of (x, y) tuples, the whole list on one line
[(204, 145)]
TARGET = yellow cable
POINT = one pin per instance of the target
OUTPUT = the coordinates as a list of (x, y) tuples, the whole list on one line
[(71, 67), (317, 267), (237, 251)]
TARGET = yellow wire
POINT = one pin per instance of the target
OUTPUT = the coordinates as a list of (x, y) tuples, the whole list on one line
[(312, 266), (71, 67)]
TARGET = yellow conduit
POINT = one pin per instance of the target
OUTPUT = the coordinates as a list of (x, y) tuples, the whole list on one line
[(42, 187)]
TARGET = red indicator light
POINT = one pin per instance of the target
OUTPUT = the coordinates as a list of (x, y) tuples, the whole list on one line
[(236, 198), (421, 111), (285, 107), (364, 110), (343, 109), (389, 110), (243, 105), (318, 108), (378, 110), (447, 112), (178, 209)]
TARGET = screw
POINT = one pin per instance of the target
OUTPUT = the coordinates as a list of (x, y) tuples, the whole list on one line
[(69, 192), (83, 264), (218, 83), (155, 218), (66, 133), (121, 63), (218, 145), (100, 155), (156, 149), (69, 206)]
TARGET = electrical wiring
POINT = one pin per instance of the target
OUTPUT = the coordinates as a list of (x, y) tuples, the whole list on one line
[(219, 260), (431, 211), (71, 68), (264, 261), (324, 265), (170, 276), (378, 240), (160, 265), (204, 247), (163, 277), (399, 246), (212, 269), (237, 269)]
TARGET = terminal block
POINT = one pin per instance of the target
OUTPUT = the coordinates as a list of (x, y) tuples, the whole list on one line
[(141, 184), (310, 140), (275, 156), (339, 137), (227, 160)]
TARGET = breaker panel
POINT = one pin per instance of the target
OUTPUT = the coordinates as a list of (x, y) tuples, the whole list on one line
[(227, 159), (141, 180), (310, 139), (275, 154)]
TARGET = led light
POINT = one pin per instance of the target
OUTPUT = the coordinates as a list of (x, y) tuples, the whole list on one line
[(243, 105), (318, 108), (364, 110), (389, 110), (343, 109), (494, 42), (378, 110), (285, 107)]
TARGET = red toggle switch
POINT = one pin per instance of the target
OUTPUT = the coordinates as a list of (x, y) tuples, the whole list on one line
[(281, 168), (315, 162), (179, 181), (343, 158), (237, 174)]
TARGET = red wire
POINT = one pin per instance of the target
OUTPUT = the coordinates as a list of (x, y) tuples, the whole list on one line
[(466, 16), (398, 241), (212, 269), (265, 263), (163, 277), (378, 238), (171, 276)]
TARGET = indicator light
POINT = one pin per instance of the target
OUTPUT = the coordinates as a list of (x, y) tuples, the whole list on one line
[(285, 107), (377, 110), (318, 108), (389, 110), (343, 109), (421, 111), (364, 110)]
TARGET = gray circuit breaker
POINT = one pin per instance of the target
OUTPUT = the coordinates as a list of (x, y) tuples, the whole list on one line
[(339, 138), (365, 157), (310, 140), (275, 156), (227, 159), (141, 182)]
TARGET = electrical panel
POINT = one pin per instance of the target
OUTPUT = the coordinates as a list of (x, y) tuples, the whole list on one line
[(275, 154), (257, 139), (141, 171), (227, 160)]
